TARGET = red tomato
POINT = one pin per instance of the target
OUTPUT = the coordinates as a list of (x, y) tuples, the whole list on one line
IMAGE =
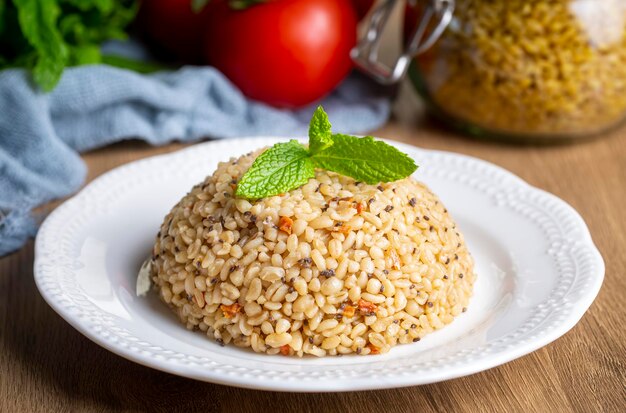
[(287, 53), (174, 26)]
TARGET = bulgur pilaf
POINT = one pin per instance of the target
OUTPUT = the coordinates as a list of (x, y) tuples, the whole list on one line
[(333, 267)]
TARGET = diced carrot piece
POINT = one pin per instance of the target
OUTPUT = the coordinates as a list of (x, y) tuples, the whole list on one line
[(373, 349), (367, 307), (230, 310), (285, 224), (359, 208), (284, 350), (349, 311)]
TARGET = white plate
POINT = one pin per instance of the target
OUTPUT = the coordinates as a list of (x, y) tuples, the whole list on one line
[(538, 272)]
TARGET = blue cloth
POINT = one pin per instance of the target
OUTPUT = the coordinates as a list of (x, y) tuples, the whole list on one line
[(41, 135)]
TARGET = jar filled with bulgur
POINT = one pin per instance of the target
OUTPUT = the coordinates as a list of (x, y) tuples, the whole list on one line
[(523, 69), (529, 68)]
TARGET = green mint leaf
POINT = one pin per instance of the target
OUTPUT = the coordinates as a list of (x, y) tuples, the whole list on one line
[(85, 55), (364, 159), (282, 167), (320, 135), (139, 66), (46, 36), (38, 20), (103, 6)]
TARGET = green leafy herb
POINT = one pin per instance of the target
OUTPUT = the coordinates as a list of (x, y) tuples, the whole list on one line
[(365, 159), (286, 166), (46, 36), (282, 167), (320, 134), (38, 22), (138, 66)]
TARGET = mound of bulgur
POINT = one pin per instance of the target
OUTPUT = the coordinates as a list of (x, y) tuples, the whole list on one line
[(334, 267)]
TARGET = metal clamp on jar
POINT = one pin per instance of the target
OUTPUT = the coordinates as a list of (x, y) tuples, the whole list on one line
[(365, 54)]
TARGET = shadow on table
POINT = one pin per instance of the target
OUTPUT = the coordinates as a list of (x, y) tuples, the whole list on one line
[(58, 366)]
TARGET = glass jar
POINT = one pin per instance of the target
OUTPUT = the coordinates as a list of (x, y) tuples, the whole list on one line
[(526, 69)]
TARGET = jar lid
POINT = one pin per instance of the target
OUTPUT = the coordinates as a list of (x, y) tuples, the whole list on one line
[(436, 17)]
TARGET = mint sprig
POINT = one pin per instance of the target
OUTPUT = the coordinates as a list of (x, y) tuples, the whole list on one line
[(289, 165)]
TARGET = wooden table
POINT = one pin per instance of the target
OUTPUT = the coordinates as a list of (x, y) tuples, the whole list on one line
[(45, 365)]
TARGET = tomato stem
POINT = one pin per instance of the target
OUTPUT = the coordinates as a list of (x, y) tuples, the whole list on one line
[(244, 4)]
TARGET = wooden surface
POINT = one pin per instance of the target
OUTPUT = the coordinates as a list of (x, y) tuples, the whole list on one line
[(47, 366)]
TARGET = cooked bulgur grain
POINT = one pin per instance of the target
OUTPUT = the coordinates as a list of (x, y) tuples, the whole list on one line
[(310, 272)]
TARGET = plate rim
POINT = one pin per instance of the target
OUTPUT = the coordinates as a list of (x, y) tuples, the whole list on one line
[(462, 369)]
